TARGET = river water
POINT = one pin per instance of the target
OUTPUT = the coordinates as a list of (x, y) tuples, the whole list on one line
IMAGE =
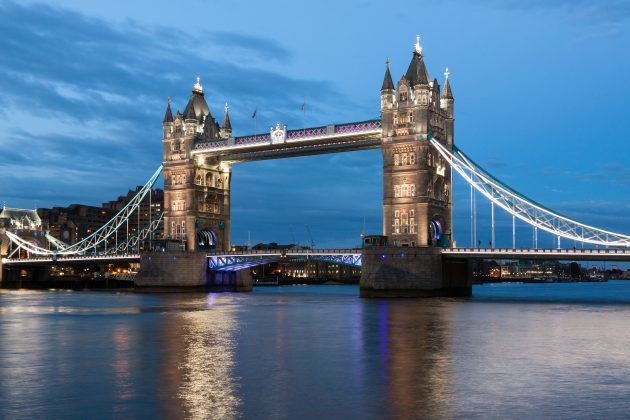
[(320, 352)]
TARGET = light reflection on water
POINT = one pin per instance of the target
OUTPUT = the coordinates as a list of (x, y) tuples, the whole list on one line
[(317, 352)]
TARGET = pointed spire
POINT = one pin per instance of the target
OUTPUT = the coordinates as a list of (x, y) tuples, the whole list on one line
[(446, 92), (227, 125), (168, 116), (189, 111), (388, 84), (197, 107), (417, 72)]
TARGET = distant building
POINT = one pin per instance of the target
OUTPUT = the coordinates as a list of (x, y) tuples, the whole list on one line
[(77, 221), (25, 223), (20, 219)]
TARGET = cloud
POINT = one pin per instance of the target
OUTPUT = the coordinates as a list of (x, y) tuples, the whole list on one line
[(82, 98)]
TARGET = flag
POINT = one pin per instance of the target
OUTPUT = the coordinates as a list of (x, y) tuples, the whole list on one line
[(254, 114), (302, 106)]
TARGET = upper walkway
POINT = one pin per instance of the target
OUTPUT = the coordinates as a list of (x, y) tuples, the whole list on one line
[(280, 142)]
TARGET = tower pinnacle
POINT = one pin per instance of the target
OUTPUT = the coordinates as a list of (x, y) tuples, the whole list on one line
[(417, 48), (168, 115), (388, 83), (227, 124), (446, 91), (198, 88)]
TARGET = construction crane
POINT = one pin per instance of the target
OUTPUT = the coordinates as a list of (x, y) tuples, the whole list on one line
[(308, 229)]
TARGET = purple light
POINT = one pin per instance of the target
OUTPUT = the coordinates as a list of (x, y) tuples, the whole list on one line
[(383, 256)]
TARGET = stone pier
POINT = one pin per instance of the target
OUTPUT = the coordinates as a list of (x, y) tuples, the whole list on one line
[(186, 271), (413, 272)]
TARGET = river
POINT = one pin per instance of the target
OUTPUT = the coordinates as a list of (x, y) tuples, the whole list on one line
[(320, 352)]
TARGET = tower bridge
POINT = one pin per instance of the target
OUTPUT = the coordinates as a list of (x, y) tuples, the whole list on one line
[(416, 136)]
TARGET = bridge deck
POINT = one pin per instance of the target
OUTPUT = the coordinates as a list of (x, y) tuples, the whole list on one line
[(354, 255), (72, 259), (540, 254), (309, 141)]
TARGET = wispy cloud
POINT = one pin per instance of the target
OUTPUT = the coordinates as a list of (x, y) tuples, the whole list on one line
[(83, 94), (598, 18)]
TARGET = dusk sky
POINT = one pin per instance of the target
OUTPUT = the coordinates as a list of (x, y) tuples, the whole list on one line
[(541, 100)]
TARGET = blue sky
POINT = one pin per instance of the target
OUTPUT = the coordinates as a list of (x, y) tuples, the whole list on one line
[(541, 92)]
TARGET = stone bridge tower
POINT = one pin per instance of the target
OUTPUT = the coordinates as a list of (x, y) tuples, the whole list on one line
[(417, 195), (196, 189)]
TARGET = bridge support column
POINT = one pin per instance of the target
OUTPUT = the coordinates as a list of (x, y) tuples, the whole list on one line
[(166, 271), (173, 271), (413, 272)]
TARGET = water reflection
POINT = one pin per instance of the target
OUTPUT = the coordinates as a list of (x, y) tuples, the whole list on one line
[(205, 361), (414, 357), (316, 352)]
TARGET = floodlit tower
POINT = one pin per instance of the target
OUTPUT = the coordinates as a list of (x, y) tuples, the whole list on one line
[(196, 191), (416, 180)]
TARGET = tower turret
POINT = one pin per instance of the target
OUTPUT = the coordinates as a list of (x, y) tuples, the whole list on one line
[(226, 128), (447, 103), (168, 115), (388, 95), (167, 123)]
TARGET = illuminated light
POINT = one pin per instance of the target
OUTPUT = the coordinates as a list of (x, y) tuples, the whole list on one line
[(383, 256), (174, 258), (402, 255)]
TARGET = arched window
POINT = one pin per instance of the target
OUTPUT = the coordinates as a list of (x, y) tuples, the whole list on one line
[(412, 158), (404, 158), (396, 159)]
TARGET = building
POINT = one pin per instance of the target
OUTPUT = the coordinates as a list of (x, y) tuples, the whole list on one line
[(196, 193), (25, 223), (77, 221), (416, 180)]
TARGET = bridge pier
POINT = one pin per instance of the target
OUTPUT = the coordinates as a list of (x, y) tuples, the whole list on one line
[(168, 271), (413, 272)]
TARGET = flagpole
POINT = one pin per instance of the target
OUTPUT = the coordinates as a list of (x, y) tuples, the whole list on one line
[(304, 117), (255, 117)]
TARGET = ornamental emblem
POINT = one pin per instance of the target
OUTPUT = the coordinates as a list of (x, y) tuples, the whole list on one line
[(278, 134)]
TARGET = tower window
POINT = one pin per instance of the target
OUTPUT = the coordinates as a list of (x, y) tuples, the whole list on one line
[(396, 159), (404, 158), (412, 158), (403, 96)]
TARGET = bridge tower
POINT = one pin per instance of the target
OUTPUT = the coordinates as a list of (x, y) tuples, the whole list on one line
[(417, 195), (196, 189)]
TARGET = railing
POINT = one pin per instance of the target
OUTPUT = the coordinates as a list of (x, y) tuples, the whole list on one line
[(70, 258), (536, 251), (302, 134), (286, 251)]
